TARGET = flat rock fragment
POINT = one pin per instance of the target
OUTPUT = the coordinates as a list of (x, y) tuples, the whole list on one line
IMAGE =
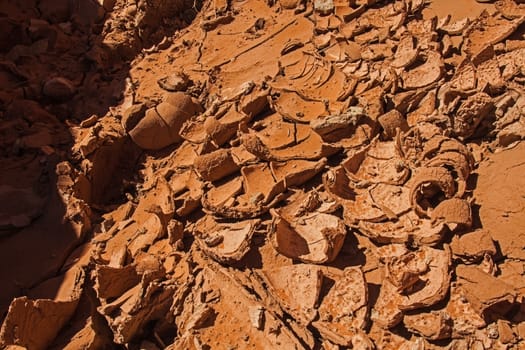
[(223, 241), (302, 231), (343, 311), (296, 172)]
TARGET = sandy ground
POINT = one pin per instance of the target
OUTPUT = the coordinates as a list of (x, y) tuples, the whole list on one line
[(279, 174)]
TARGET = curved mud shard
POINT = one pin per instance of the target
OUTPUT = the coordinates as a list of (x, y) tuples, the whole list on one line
[(159, 126)]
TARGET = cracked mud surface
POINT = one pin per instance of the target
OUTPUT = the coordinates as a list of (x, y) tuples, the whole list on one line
[(280, 174)]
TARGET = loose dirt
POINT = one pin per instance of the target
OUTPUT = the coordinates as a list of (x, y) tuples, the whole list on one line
[(279, 174)]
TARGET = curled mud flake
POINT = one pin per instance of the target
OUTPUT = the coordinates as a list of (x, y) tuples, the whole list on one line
[(295, 108), (433, 325), (379, 162), (343, 312), (184, 156), (34, 324), (510, 9), (218, 132), (428, 187), (465, 77), (357, 205), (259, 183), (406, 54), (296, 288), (387, 252), (160, 126), (455, 28), (488, 30), (393, 200), (278, 134), (224, 242), (255, 102), (391, 121), (471, 112), (454, 212), (313, 148), (421, 279), (489, 296), (471, 247), (146, 302), (456, 161), (301, 231), (427, 73), (215, 165), (296, 172), (222, 195)]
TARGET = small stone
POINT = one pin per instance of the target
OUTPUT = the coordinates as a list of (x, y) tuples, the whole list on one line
[(506, 335), (324, 7)]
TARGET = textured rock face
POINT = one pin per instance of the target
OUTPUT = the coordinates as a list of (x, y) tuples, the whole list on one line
[(279, 174)]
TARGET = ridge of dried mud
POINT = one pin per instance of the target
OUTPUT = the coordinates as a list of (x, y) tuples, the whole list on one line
[(262, 174)]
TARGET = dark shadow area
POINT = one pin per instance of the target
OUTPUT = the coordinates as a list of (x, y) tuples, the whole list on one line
[(63, 65)]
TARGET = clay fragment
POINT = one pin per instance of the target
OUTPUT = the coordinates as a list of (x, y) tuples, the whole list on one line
[(391, 121), (415, 280), (494, 300), (34, 324), (332, 123), (215, 165), (427, 73), (58, 88), (471, 113), (434, 325), (406, 54), (302, 231), (343, 311), (454, 212), (296, 288), (225, 242), (160, 126), (426, 185)]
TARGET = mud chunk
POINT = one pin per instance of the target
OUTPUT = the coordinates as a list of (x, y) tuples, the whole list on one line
[(428, 186), (215, 165), (225, 242), (434, 325), (35, 323), (324, 7), (343, 311), (406, 54), (427, 73), (454, 212), (302, 231), (160, 126), (417, 279), (177, 81), (471, 112), (473, 246), (59, 89), (296, 288), (391, 121), (488, 295)]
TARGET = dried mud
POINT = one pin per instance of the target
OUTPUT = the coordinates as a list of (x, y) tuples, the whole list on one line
[(280, 174)]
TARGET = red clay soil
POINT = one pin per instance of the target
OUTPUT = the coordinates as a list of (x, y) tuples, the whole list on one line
[(279, 174)]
